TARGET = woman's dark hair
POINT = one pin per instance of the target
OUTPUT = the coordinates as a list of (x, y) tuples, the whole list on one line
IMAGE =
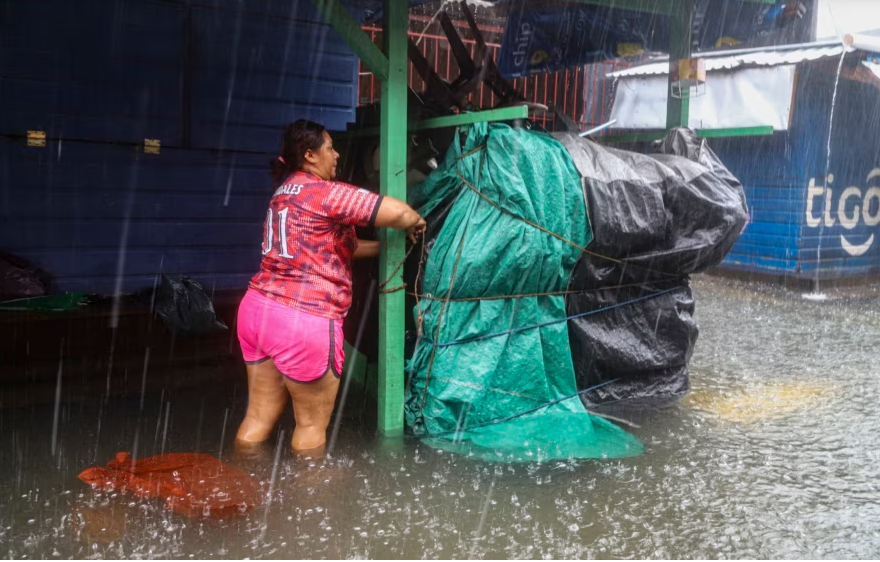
[(299, 137)]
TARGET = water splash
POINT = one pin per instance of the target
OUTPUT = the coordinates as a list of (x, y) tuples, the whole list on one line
[(483, 513), (165, 426), (144, 377), (334, 434), (223, 432), (827, 170), (272, 480), (815, 296), (57, 400)]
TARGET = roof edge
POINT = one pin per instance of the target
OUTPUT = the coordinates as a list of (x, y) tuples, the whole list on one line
[(659, 68)]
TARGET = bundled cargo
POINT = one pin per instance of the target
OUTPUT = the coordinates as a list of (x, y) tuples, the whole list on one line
[(555, 269), (656, 219)]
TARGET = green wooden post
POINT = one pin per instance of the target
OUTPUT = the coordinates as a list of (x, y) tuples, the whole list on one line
[(678, 110), (392, 182)]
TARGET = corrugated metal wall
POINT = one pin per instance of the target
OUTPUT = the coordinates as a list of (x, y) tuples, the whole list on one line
[(214, 81)]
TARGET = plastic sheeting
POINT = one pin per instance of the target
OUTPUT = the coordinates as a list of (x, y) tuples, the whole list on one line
[(193, 484), (492, 374), (749, 97), (656, 219), (19, 279)]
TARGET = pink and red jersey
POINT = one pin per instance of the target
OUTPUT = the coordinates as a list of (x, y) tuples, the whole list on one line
[(309, 239)]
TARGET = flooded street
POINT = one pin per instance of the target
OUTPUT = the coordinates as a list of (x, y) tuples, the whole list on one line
[(775, 454)]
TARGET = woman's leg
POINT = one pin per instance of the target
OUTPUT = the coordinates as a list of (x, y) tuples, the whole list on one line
[(267, 399), (312, 407)]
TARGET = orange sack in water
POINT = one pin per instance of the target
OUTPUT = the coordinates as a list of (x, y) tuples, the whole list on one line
[(193, 484)]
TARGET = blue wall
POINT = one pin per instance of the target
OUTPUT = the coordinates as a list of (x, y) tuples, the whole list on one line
[(765, 167), (848, 235), (213, 80), (776, 173)]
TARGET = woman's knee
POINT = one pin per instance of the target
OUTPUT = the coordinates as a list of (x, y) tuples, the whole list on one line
[(308, 439), (255, 428)]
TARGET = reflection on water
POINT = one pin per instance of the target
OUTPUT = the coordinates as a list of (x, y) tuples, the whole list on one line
[(758, 402), (775, 455)]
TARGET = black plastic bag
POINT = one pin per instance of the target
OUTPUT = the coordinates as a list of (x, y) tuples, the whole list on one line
[(185, 308), (20, 280)]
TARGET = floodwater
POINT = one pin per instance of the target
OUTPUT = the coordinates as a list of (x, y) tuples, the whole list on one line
[(776, 454)]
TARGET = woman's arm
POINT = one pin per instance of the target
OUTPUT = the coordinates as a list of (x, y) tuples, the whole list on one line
[(394, 213), (366, 249)]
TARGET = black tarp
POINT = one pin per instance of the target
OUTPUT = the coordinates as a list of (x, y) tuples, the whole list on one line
[(656, 219)]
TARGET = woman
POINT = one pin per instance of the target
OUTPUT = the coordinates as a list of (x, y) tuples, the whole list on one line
[(290, 320)]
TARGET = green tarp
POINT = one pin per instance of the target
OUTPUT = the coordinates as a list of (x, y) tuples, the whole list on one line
[(515, 354)]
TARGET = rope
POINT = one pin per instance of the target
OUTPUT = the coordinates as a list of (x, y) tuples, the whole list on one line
[(444, 303), (421, 318), (474, 151), (428, 296), (437, 344), (545, 230), (382, 285), (440, 322), (447, 298), (523, 413), (392, 289)]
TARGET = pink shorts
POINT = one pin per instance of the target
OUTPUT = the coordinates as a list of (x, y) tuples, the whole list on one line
[(303, 346)]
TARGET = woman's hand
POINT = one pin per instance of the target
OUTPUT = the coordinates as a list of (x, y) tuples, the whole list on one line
[(416, 230)]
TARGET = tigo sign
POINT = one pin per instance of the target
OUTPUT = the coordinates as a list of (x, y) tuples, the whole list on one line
[(854, 206)]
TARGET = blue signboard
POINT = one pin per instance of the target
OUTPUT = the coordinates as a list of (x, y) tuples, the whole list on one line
[(538, 40), (546, 40), (734, 23)]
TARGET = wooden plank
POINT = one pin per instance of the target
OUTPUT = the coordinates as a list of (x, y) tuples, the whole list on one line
[(392, 182), (466, 118), (735, 132)]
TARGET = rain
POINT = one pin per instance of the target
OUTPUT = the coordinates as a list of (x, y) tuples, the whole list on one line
[(640, 323)]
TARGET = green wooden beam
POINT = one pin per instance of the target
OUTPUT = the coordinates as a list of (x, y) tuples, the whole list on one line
[(467, 118), (350, 30), (470, 117), (651, 136), (738, 132), (392, 182)]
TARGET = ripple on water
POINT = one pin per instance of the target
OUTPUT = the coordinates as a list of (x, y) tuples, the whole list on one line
[(776, 454)]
